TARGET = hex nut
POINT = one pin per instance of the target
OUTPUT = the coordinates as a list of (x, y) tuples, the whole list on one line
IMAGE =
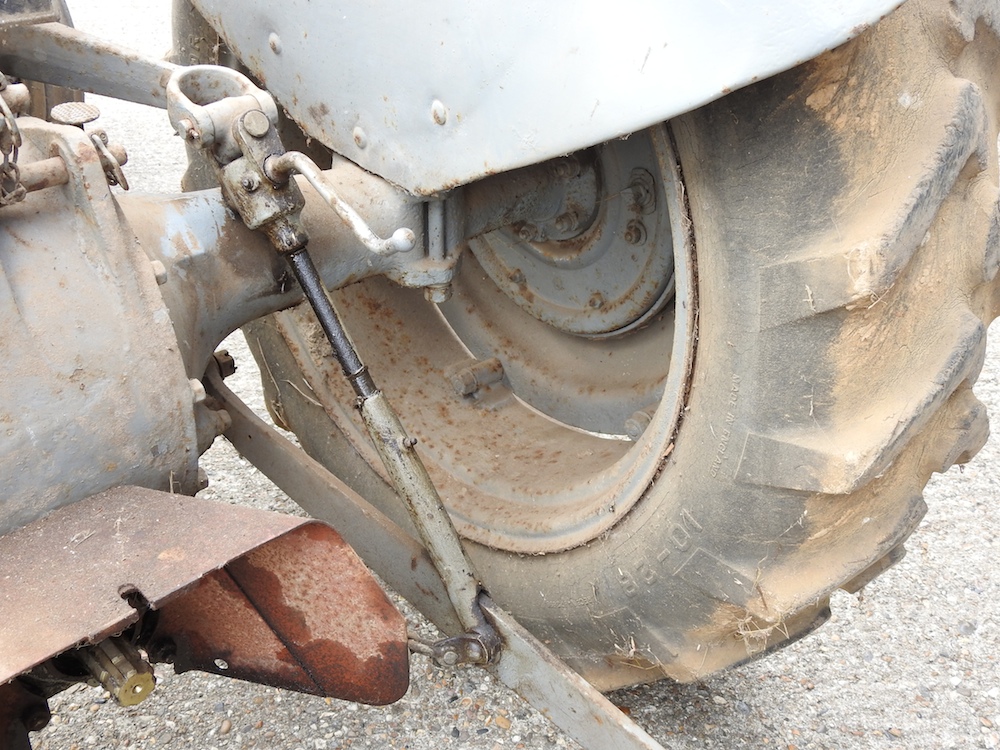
[(437, 294)]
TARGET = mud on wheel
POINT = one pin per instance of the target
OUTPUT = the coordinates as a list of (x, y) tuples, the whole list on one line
[(678, 488)]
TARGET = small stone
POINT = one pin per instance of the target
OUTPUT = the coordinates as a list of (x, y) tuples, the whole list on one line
[(743, 707), (226, 727), (985, 722), (896, 732), (455, 733), (719, 700), (502, 721)]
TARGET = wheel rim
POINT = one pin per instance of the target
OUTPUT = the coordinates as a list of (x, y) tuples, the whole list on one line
[(540, 461)]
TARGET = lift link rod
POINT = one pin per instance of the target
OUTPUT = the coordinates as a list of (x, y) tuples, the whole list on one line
[(525, 665), (409, 478), (273, 203)]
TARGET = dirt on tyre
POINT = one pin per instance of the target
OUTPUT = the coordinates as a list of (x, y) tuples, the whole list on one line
[(675, 496)]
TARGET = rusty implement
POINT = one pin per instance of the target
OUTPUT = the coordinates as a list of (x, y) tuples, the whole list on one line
[(220, 588)]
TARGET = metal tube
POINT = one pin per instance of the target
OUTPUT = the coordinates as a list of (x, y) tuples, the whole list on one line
[(44, 173), (343, 347), (410, 478), (407, 472), (435, 230), (280, 167), (61, 55)]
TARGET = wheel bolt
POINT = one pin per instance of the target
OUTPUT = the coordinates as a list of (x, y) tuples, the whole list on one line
[(635, 232), (527, 233), (637, 424), (568, 221)]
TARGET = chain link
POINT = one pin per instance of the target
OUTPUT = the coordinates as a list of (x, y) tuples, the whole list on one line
[(11, 189)]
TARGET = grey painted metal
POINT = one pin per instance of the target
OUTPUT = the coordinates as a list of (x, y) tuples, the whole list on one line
[(220, 275), (525, 665), (597, 260), (93, 389), (457, 92), (567, 700), (204, 101), (28, 11), (58, 54)]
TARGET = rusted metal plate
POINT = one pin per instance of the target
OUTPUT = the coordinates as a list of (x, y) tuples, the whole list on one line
[(301, 612), (306, 615)]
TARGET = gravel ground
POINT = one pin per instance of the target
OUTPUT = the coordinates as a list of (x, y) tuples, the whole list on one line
[(909, 663)]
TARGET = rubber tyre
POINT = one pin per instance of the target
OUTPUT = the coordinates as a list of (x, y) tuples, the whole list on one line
[(844, 216)]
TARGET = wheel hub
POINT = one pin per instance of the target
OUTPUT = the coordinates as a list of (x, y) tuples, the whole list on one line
[(599, 264)]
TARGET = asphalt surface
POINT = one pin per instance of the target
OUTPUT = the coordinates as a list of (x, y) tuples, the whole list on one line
[(909, 663)]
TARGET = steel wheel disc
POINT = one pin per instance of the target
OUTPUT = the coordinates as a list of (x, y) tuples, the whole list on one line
[(539, 461)]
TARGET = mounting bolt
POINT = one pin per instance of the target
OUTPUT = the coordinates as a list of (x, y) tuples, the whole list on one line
[(596, 301), (437, 293), (450, 658), (467, 380), (474, 652), (568, 221), (635, 232), (516, 277), (189, 131), (566, 168), (527, 233), (256, 123), (274, 42), (643, 189), (250, 183), (637, 424)]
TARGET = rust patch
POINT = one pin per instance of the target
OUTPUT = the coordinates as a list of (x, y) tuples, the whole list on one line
[(333, 617), (240, 592)]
